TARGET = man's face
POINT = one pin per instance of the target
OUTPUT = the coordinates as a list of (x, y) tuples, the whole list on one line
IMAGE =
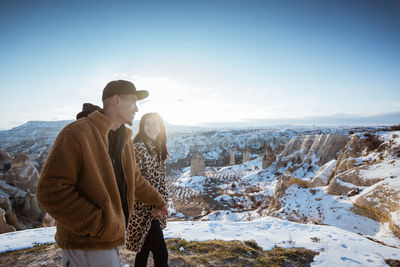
[(127, 108)]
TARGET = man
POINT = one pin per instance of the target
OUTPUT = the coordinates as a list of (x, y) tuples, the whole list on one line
[(90, 179)]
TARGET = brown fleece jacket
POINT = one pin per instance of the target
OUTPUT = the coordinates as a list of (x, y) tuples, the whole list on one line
[(77, 186)]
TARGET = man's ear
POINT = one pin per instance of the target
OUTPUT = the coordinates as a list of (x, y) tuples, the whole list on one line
[(116, 99)]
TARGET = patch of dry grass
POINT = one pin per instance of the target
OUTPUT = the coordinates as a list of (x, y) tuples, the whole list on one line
[(29, 256), (393, 263), (235, 253)]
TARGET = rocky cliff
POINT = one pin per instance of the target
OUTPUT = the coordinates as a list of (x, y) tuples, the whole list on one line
[(18, 204)]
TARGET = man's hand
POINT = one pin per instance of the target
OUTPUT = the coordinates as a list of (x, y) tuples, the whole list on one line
[(158, 213)]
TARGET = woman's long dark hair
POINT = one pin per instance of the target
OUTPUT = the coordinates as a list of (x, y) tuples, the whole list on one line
[(161, 140)]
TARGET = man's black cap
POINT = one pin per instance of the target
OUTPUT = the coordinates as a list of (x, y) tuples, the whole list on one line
[(122, 87)]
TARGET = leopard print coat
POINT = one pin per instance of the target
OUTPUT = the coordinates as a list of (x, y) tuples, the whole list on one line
[(153, 170)]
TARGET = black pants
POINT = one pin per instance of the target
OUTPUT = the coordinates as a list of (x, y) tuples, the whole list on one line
[(156, 244)]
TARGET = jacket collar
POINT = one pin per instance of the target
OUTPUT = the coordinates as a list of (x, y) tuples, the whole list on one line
[(104, 124)]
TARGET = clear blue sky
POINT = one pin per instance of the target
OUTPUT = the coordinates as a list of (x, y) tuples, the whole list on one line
[(202, 61)]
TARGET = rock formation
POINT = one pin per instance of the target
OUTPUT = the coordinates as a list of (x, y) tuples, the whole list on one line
[(347, 180), (268, 158), (352, 150), (31, 208), (357, 165), (246, 156), (11, 197), (41, 160), (323, 175), (197, 167), (4, 227), (232, 157), (17, 194), (302, 151), (5, 160), (22, 173), (382, 203), (48, 221)]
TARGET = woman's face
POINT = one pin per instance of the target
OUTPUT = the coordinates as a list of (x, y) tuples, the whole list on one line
[(152, 127)]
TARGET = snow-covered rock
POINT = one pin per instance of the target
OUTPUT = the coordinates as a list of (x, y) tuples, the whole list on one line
[(382, 201), (323, 175)]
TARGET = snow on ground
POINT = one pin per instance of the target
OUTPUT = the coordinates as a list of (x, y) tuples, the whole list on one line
[(316, 205), (388, 169), (26, 238), (225, 215), (195, 182), (336, 246)]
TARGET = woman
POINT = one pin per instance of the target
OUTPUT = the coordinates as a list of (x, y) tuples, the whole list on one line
[(144, 232)]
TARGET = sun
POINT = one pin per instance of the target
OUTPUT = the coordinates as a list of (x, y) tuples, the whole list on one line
[(175, 102)]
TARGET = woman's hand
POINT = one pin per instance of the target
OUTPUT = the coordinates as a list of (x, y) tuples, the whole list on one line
[(158, 213)]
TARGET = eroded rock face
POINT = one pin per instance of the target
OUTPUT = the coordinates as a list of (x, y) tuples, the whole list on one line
[(4, 226), (268, 158), (311, 149), (42, 159), (21, 208), (356, 152), (5, 160), (48, 221), (351, 151), (31, 208), (23, 174)]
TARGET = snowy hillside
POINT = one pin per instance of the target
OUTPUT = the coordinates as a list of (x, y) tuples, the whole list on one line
[(247, 192), (31, 137)]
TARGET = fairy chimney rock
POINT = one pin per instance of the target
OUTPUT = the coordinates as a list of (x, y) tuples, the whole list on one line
[(194, 165), (5, 160), (246, 155), (22, 173), (201, 170), (197, 165), (232, 159), (268, 158)]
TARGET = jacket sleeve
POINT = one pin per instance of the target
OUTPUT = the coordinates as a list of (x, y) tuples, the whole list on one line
[(56, 190), (144, 191)]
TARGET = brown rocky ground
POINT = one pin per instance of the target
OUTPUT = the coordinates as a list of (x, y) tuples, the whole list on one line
[(181, 253)]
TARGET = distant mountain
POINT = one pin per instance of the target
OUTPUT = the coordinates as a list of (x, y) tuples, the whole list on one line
[(339, 119), (38, 136), (31, 137)]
